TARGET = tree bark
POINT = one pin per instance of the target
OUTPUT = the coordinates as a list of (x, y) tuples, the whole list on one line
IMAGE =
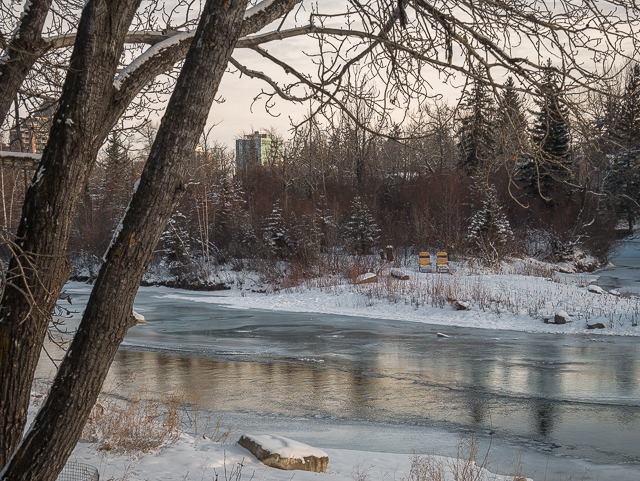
[(23, 50), (36, 275), (52, 201), (108, 315)]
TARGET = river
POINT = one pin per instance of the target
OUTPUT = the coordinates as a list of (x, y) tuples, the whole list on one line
[(565, 405)]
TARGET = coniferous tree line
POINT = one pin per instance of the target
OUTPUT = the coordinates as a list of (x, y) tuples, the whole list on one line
[(507, 173)]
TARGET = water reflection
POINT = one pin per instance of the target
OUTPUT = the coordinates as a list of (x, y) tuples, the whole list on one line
[(570, 392)]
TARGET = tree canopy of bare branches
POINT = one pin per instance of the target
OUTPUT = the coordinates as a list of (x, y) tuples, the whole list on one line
[(93, 61)]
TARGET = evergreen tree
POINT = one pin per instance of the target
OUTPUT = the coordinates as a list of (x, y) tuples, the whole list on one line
[(489, 230), (176, 243), (118, 185), (476, 133), (511, 124), (230, 211), (361, 230), (550, 162), (623, 133), (275, 234)]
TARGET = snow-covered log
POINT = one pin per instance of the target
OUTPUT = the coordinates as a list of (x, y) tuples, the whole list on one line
[(399, 274), (366, 278), (283, 453), (19, 159)]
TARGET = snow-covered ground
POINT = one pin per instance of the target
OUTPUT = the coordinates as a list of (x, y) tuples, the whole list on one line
[(200, 459), (497, 301), (509, 300)]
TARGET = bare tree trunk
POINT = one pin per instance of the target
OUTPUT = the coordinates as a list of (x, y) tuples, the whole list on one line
[(23, 50), (57, 428), (89, 107), (37, 275)]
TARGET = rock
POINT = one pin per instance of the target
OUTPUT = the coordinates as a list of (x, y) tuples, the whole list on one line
[(139, 318), (595, 325), (461, 305), (613, 292), (561, 317), (283, 453), (366, 278), (595, 289), (398, 274)]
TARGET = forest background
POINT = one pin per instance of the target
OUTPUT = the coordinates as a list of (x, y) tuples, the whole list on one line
[(501, 173)]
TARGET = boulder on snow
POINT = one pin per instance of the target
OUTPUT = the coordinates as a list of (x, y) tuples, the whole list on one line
[(139, 318), (561, 317), (595, 325), (366, 278), (399, 274), (595, 289), (461, 305), (283, 453)]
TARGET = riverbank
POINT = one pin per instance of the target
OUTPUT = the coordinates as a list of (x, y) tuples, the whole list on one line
[(512, 300), (198, 459)]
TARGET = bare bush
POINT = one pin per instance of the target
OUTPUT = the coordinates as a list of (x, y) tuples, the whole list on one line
[(133, 426), (464, 467)]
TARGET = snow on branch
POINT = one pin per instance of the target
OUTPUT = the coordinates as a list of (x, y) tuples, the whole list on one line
[(19, 159), (258, 8), (153, 51)]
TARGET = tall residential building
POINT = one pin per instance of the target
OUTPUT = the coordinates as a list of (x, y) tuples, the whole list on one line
[(34, 132), (258, 148)]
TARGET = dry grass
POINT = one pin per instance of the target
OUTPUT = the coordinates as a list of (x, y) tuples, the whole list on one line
[(203, 423), (144, 424), (133, 426), (465, 467)]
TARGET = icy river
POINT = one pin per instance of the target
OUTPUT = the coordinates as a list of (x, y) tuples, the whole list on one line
[(565, 405)]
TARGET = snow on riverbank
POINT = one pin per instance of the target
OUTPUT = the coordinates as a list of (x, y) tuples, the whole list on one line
[(201, 459), (497, 301)]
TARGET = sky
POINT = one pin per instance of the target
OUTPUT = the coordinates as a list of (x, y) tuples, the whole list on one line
[(237, 115)]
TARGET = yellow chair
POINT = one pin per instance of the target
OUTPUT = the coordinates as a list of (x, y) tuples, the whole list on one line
[(442, 262), (424, 259)]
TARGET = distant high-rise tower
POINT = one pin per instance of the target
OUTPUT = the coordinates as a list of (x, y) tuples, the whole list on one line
[(258, 148), (33, 132)]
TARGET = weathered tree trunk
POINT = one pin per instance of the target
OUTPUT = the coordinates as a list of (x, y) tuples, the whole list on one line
[(37, 275), (52, 202), (56, 429), (23, 50)]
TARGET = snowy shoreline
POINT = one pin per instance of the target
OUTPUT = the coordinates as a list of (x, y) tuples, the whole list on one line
[(497, 301), (510, 301)]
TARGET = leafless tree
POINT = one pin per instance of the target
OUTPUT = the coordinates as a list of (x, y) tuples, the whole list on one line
[(441, 36), (90, 104)]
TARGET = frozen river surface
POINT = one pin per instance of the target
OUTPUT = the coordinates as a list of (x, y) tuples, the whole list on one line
[(563, 403)]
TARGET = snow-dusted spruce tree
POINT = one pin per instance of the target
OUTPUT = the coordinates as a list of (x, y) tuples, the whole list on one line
[(550, 162), (176, 243), (476, 137), (511, 124), (275, 234), (118, 182), (489, 230), (623, 175), (307, 237), (230, 214), (361, 231)]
